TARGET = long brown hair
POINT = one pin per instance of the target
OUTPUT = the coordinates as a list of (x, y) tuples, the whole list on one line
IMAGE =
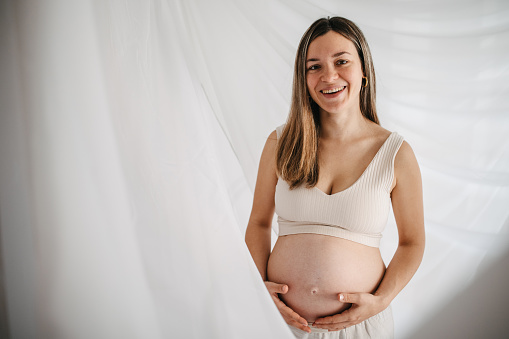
[(297, 148)]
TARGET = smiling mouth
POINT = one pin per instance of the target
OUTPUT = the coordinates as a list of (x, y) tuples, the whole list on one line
[(332, 90)]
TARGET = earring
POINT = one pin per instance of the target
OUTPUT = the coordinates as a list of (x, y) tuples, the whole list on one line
[(366, 84)]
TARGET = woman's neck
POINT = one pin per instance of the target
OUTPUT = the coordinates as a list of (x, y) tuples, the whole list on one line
[(342, 125)]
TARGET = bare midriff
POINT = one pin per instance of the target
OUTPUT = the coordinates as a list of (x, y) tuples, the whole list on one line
[(318, 267)]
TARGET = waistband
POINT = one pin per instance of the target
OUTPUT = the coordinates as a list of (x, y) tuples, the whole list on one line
[(293, 227), (317, 330)]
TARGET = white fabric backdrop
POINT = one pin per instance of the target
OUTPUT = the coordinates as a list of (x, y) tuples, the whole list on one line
[(130, 135)]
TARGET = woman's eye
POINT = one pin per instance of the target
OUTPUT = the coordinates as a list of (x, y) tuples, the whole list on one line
[(341, 62), (313, 67)]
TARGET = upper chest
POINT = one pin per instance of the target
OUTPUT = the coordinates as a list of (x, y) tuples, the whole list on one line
[(343, 164)]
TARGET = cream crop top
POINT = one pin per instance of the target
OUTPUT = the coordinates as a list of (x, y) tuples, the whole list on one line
[(358, 213)]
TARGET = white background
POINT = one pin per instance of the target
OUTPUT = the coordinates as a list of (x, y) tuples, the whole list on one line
[(130, 133)]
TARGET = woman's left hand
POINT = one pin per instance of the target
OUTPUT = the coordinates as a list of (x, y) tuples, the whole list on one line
[(364, 306)]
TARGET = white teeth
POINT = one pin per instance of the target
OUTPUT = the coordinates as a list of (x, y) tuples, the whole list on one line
[(333, 90)]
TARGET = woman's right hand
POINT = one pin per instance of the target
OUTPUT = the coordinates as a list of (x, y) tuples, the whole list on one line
[(290, 316)]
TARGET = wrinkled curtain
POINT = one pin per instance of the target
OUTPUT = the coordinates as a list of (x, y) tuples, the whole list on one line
[(130, 135)]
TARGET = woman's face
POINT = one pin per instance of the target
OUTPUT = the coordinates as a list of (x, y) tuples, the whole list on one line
[(334, 73)]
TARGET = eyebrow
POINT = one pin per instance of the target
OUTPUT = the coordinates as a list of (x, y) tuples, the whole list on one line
[(334, 56)]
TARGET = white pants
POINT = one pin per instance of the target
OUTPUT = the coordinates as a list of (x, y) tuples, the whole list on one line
[(379, 326)]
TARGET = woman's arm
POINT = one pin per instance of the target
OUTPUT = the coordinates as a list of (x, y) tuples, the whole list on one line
[(259, 229), (407, 205), (408, 211)]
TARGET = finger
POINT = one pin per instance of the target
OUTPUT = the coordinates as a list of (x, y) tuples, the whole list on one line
[(292, 318), (328, 320), (290, 314), (276, 288), (333, 323), (351, 298), (341, 319), (300, 326)]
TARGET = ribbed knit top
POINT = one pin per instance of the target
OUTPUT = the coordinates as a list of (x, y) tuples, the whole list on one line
[(358, 213)]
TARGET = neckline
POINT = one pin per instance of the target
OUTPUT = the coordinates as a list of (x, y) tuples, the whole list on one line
[(363, 173)]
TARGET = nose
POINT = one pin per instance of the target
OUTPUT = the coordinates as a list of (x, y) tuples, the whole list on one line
[(329, 74)]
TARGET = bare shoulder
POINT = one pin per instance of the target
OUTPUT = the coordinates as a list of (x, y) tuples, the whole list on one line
[(405, 155), (405, 164), (267, 160), (379, 133), (270, 144), (272, 137)]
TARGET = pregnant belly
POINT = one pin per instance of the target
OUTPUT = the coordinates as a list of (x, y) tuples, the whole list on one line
[(318, 267)]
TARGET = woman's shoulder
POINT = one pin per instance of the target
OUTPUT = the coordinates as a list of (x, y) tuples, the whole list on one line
[(272, 139), (279, 130), (382, 134), (405, 154), (404, 159), (378, 131), (401, 150)]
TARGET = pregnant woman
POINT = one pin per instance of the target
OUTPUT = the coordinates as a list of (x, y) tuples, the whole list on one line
[(331, 174)]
